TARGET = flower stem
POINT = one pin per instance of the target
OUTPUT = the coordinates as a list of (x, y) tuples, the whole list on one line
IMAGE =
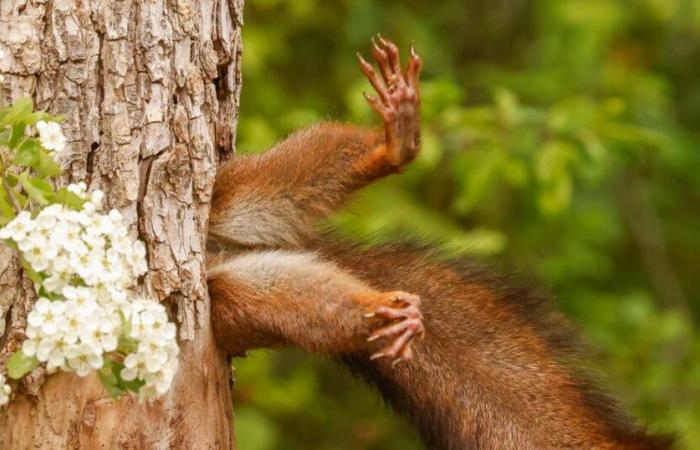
[(11, 195)]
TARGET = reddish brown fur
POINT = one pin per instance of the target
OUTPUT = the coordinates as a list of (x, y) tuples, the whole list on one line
[(260, 303), (487, 375), (337, 156), (286, 180), (496, 368)]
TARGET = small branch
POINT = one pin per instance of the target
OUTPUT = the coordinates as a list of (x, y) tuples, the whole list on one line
[(10, 195)]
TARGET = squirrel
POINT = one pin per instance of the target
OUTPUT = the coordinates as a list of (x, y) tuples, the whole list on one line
[(474, 362)]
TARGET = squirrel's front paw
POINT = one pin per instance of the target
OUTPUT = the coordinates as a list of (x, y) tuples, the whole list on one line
[(400, 323), (397, 100)]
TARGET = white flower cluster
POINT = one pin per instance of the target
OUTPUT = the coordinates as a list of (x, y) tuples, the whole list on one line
[(63, 243), (88, 263), (72, 335), (5, 391), (51, 136), (155, 359)]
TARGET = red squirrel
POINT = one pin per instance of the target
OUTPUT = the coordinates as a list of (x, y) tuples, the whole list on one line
[(474, 362)]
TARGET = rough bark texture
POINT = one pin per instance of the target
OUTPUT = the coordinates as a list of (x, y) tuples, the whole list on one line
[(149, 90)]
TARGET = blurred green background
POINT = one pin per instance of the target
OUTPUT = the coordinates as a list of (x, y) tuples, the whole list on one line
[(561, 137)]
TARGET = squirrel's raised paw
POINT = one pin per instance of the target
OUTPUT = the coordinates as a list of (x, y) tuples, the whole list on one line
[(397, 100), (400, 323)]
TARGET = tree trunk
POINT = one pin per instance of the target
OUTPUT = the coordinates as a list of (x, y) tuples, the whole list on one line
[(149, 91)]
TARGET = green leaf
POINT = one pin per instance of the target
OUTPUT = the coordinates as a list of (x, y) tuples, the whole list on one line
[(5, 136), (12, 179), (20, 364), (36, 191), (10, 243), (31, 273), (47, 167), (133, 385), (21, 199), (19, 112), (17, 134), (109, 380), (127, 344), (68, 198), (42, 292), (112, 389), (43, 185), (27, 154), (7, 211)]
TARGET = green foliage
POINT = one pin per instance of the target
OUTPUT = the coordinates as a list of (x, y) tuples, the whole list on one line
[(114, 384), (25, 165), (20, 364), (559, 137), (285, 401)]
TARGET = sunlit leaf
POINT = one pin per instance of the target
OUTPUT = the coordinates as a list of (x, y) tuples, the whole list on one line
[(20, 364), (17, 134), (19, 112), (46, 166), (68, 198), (109, 380), (31, 273), (132, 385), (6, 209), (27, 154), (35, 189)]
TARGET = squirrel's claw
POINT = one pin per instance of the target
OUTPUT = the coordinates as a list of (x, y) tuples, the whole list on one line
[(382, 58), (406, 324), (415, 63), (375, 103), (373, 78), (393, 53)]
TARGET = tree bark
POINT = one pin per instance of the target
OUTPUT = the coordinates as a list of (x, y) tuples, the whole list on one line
[(149, 90)]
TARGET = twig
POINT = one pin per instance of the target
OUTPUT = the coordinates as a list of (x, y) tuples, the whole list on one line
[(11, 196)]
